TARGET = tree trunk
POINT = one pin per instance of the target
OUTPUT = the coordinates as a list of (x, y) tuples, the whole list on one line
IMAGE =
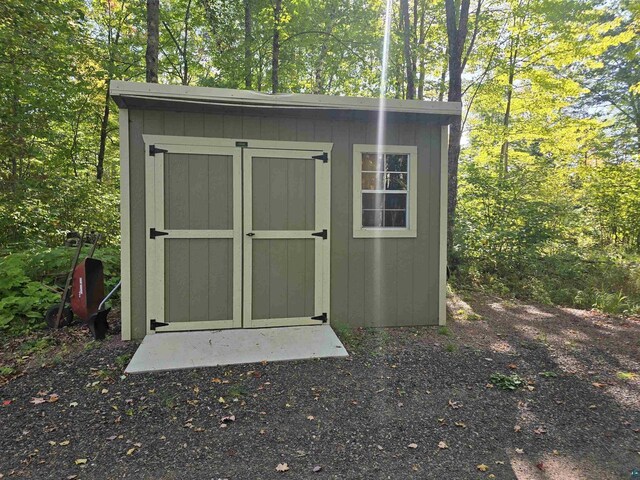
[(504, 150), (442, 87), (185, 56), (247, 44), (275, 58), (457, 29), (408, 58), (153, 34), (104, 126)]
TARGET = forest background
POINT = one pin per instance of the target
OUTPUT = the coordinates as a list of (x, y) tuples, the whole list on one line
[(544, 197)]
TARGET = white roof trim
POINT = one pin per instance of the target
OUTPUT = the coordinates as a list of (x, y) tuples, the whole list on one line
[(225, 96)]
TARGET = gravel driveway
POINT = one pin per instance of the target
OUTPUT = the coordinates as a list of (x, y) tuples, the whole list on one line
[(408, 403)]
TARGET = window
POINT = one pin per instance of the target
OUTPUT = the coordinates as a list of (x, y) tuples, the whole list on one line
[(384, 191)]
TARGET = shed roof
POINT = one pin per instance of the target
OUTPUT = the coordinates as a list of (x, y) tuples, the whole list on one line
[(125, 93)]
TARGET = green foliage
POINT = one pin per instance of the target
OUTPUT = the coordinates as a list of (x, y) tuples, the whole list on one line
[(23, 301), (123, 360), (507, 382), (548, 374), (31, 282), (450, 347), (626, 376), (443, 330)]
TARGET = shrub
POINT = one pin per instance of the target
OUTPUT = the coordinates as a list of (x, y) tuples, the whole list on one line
[(31, 282)]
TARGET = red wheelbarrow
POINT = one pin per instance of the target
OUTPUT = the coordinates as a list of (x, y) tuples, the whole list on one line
[(86, 297)]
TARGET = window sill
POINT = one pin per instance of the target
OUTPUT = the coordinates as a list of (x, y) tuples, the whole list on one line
[(384, 233)]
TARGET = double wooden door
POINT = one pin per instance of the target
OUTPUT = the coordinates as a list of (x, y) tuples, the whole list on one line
[(237, 233)]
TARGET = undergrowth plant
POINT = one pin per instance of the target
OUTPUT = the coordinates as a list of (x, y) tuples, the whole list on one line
[(31, 281), (507, 382)]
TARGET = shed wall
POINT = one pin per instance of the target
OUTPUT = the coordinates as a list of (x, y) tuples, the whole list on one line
[(374, 282)]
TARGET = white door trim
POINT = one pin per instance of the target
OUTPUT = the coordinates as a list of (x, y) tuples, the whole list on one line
[(322, 219), (155, 258)]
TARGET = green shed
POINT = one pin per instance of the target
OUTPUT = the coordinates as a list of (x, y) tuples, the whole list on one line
[(244, 210)]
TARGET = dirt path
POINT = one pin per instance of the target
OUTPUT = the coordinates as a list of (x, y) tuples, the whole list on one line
[(408, 403)]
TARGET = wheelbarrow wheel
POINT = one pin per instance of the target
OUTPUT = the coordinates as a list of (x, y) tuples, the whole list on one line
[(65, 320)]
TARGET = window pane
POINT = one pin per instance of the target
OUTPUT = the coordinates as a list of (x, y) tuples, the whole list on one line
[(372, 218), (372, 201), (394, 201), (395, 181), (371, 161), (395, 218), (372, 181), (396, 163)]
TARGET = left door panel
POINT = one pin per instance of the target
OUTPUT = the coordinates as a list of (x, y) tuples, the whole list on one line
[(194, 250)]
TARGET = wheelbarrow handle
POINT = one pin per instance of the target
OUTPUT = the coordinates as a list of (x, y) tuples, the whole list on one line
[(109, 296)]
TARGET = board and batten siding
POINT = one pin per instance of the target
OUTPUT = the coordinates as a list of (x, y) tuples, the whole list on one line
[(374, 281)]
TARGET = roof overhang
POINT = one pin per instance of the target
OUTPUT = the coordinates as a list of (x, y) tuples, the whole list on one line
[(129, 94)]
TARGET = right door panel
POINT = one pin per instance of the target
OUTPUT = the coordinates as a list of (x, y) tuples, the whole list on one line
[(286, 209)]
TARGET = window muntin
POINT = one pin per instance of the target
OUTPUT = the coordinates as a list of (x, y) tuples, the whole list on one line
[(384, 195), (384, 182)]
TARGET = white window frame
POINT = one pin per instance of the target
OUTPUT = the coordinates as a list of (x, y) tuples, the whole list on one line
[(411, 230)]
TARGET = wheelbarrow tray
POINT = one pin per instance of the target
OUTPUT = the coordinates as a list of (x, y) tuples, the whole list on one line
[(88, 288)]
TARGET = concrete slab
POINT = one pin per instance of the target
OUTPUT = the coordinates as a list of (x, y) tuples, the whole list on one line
[(179, 350)]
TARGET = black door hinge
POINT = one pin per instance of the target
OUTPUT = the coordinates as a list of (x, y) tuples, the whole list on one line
[(153, 233), (324, 157), (323, 234), (155, 324), (322, 317), (153, 150)]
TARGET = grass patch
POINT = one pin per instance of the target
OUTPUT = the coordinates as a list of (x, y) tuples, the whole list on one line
[(626, 376), (451, 347), (443, 330), (6, 371), (38, 345), (548, 374), (507, 382), (123, 360)]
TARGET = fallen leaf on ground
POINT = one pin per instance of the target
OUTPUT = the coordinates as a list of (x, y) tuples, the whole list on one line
[(54, 397), (539, 430), (73, 404), (541, 466), (455, 405), (442, 445), (598, 385), (131, 450), (482, 467), (282, 467), (81, 461), (104, 390), (519, 450), (311, 417), (413, 445), (221, 400), (65, 443), (216, 380), (230, 418), (37, 400), (6, 402), (517, 428), (512, 366), (460, 424), (317, 468)]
